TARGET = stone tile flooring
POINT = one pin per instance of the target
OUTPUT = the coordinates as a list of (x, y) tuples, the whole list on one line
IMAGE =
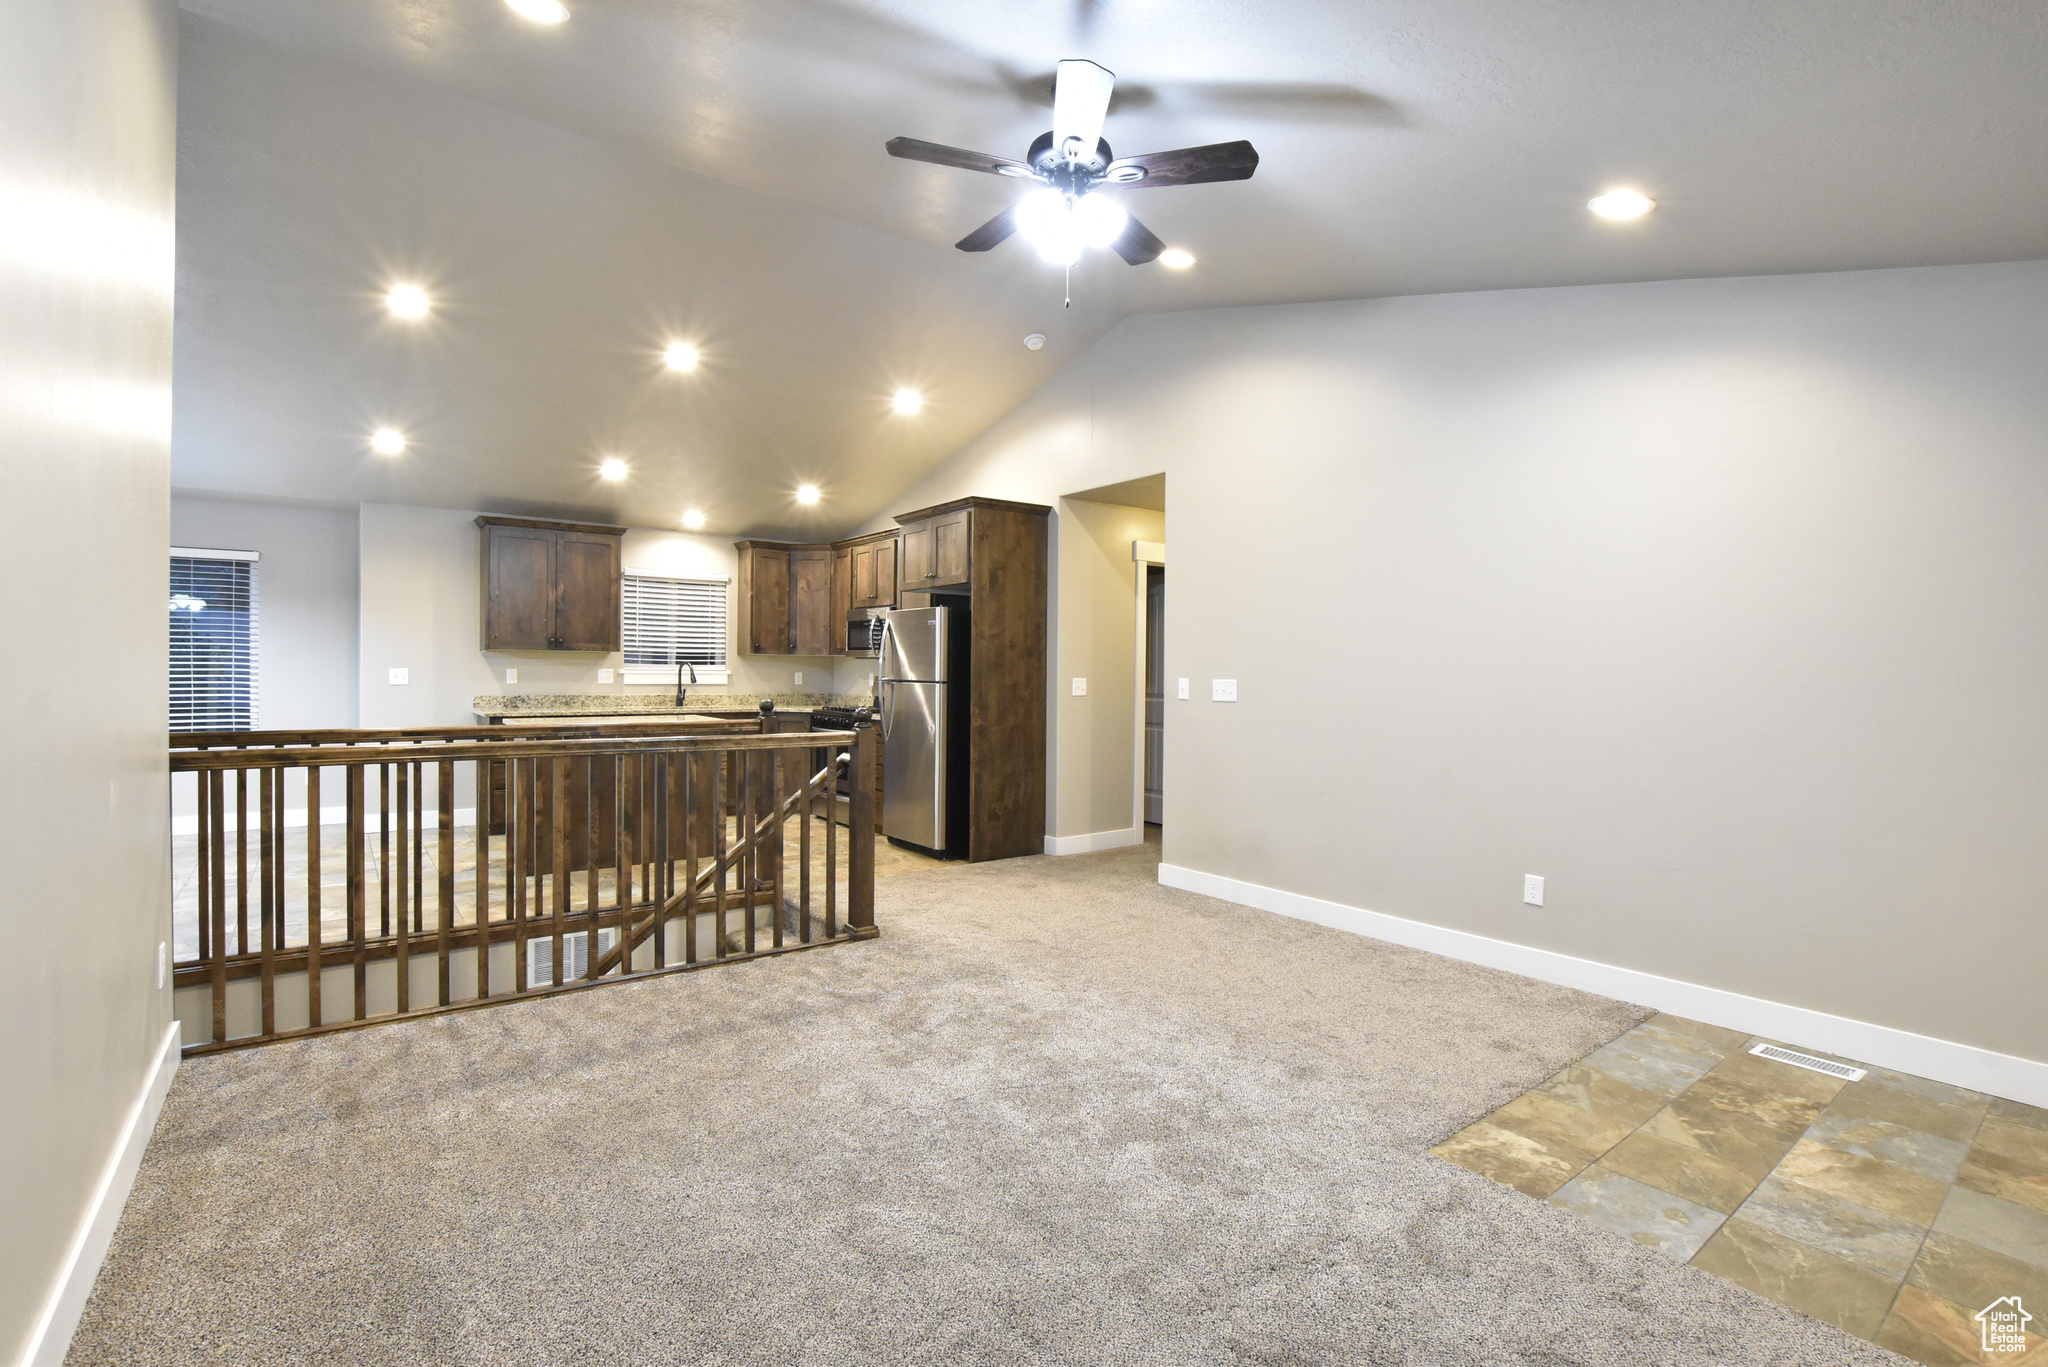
[(1892, 1207)]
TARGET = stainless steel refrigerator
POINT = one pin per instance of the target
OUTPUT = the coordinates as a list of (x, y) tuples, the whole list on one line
[(921, 687)]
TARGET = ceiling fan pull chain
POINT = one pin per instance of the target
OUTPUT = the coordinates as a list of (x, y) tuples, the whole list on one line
[(1070, 285)]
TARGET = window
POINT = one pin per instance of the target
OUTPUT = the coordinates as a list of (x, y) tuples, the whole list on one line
[(670, 622), (213, 640)]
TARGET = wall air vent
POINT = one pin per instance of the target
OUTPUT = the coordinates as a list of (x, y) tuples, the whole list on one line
[(540, 955), (1818, 1065)]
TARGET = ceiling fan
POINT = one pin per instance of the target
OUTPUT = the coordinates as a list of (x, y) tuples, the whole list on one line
[(1069, 163)]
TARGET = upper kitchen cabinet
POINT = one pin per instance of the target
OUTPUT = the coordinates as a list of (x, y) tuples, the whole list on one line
[(764, 597), (935, 546), (810, 600), (549, 585), (872, 563)]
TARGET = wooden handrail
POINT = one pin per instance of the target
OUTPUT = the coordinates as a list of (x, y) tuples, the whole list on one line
[(650, 837), (243, 740), (299, 757)]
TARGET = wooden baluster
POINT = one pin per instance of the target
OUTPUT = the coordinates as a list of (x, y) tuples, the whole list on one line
[(444, 790), (660, 874), (358, 886), (832, 846), (313, 927), (518, 837), (623, 847), (217, 800), (860, 851), (684, 776), (204, 867), (266, 802), (419, 849), (384, 849), (559, 773), (808, 810), (775, 850), (401, 958), (241, 863), (480, 876), (750, 863), (721, 780)]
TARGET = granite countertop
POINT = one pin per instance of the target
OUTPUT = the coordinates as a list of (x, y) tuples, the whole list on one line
[(650, 704)]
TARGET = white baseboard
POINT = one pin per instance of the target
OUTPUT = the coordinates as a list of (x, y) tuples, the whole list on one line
[(1961, 1065), (52, 1337), (295, 819), (1094, 840)]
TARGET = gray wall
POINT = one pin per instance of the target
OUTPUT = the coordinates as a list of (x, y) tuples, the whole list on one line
[(306, 601), (86, 183), (1721, 604)]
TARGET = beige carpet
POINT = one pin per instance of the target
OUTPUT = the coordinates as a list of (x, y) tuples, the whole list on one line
[(1057, 1114)]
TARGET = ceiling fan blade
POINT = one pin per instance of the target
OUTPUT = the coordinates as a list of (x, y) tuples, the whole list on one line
[(991, 233), (1137, 243), (1080, 99), (1188, 166), (938, 154)]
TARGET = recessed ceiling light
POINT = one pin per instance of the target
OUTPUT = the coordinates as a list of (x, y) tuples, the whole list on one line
[(679, 356), (807, 493), (540, 11), (1035, 341), (907, 401), (613, 468), (1176, 259), (387, 441), (407, 301), (1621, 205), (694, 520)]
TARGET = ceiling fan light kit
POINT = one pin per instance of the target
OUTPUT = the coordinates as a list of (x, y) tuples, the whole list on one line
[(1070, 161)]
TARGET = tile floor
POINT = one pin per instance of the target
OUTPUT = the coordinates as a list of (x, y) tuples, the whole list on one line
[(1891, 1207)]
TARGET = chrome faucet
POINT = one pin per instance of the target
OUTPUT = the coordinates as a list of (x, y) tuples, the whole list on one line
[(682, 665)]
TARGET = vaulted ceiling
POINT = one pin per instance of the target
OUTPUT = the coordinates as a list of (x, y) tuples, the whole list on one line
[(573, 195)]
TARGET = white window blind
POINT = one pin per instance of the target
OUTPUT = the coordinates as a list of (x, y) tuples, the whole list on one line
[(673, 621), (213, 640)]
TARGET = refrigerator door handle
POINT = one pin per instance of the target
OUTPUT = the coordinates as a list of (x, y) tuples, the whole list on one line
[(889, 707)]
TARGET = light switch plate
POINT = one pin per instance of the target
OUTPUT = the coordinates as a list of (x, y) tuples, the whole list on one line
[(604, 676), (799, 676), (511, 676), (401, 676), (1080, 688), (1183, 690), (1532, 889), (1222, 690)]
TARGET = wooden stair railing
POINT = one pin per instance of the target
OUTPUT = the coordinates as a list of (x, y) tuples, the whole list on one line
[(669, 828)]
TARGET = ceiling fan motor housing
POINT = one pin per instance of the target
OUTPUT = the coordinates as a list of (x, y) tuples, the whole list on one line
[(1047, 161)]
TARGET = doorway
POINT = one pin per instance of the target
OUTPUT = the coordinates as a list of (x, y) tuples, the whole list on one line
[(1155, 696)]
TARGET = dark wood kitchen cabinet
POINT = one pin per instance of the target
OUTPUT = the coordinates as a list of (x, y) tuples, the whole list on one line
[(936, 553), (873, 565), (763, 592), (810, 600), (549, 585)]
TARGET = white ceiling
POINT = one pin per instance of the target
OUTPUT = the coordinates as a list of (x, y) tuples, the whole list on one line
[(1406, 147)]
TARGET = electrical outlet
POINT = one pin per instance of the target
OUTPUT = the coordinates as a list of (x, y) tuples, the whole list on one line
[(401, 676), (511, 676), (604, 676), (1532, 889), (1222, 690), (1183, 690), (1080, 688), (799, 676)]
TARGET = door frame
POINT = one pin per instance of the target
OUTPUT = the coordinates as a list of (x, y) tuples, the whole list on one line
[(1144, 554)]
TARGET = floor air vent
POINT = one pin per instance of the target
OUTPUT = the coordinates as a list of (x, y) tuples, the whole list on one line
[(1799, 1060), (540, 955)]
